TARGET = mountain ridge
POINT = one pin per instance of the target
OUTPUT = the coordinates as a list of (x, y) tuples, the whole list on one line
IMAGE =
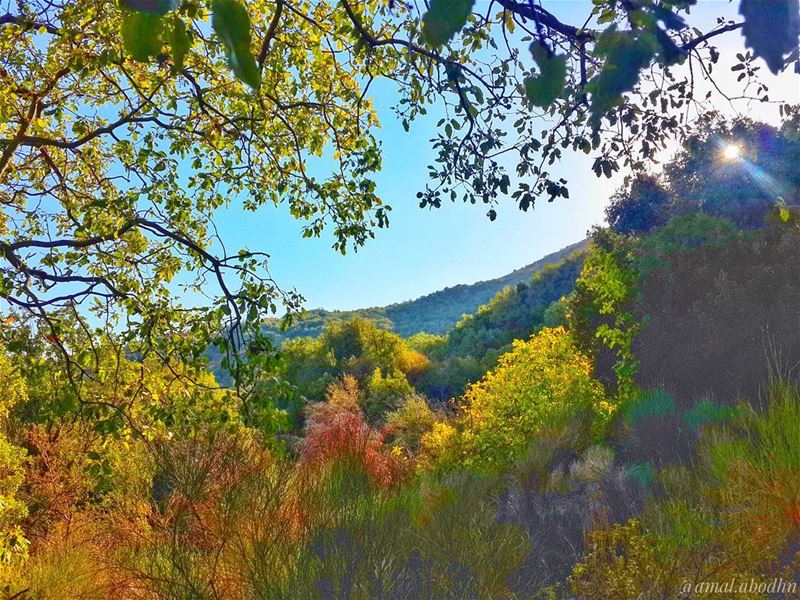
[(435, 313)]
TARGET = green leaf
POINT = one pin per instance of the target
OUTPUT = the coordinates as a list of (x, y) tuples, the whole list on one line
[(141, 35), (546, 87), (444, 19), (231, 23), (626, 53), (156, 7), (771, 29), (180, 42)]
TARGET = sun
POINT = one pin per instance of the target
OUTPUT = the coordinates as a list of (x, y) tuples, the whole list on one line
[(731, 152)]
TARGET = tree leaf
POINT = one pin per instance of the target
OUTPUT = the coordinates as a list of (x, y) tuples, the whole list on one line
[(141, 35), (180, 42), (444, 19), (156, 7), (771, 29), (231, 23), (626, 54), (543, 89)]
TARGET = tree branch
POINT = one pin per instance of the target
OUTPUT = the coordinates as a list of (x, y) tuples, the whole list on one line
[(71, 243), (26, 23), (691, 45), (38, 141), (273, 27), (539, 15)]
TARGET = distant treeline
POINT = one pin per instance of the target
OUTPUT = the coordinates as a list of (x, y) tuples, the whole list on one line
[(435, 313)]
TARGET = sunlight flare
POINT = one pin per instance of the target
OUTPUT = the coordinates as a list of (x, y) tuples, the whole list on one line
[(731, 152)]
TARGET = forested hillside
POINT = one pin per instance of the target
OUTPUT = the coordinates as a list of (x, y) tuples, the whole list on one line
[(434, 313)]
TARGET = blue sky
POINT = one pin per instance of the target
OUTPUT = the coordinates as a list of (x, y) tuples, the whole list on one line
[(425, 250)]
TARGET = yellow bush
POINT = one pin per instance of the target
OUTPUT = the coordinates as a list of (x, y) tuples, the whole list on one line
[(343, 393), (410, 422), (620, 564), (542, 382), (439, 446), (384, 393)]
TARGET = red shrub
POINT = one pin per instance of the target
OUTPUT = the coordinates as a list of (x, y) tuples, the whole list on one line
[(336, 433)]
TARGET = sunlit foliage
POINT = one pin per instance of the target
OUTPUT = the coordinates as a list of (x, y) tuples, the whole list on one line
[(13, 543), (541, 383), (599, 310)]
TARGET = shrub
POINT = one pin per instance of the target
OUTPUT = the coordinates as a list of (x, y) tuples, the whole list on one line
[(714, 308), (71, 564), (407, 425), (599, 313), (384, 393), (659, 433), (732, 514), (440, 540), (542, 382), (13, 543), (336, 431), (343, 393), (654, 434), (761, 471), (439, 447), (620, 564)]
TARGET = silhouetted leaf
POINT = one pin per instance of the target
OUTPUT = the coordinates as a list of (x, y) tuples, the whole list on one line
[(543, 89), (771, 28), (141, 35), (444, 19), (231, 23)]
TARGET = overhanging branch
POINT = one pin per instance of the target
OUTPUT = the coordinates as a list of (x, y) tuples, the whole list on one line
[(26, 23)]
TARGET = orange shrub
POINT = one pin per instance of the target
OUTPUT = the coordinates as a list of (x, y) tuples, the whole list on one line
[(338, 431)]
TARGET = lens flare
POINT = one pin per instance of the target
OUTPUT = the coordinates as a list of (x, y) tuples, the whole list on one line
[(731, 152)]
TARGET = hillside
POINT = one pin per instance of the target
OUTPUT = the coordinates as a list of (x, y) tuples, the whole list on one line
[(436, 313)]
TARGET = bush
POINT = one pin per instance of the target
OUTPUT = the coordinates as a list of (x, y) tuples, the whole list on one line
[(621, 564), (543, 382), (384, 393), (13, 543), (733, 514), (713, 314), (336, 431), (407, 425), (599, 313)]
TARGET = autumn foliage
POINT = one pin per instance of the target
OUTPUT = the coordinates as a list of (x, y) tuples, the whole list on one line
[(541, 383), (337, 432)]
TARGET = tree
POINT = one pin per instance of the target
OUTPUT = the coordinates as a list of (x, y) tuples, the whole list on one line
[(123, 130), (378, 358), (743, 189), (111, 168), (638, 207)]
